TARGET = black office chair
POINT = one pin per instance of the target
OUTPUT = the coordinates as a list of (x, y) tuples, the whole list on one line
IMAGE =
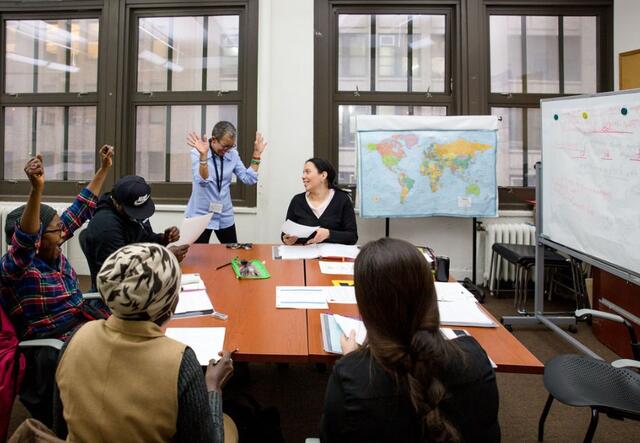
[(578, 380)]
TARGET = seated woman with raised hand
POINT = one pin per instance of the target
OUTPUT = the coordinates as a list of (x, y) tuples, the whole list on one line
[(407, 383), (322, 204), (122, 379)]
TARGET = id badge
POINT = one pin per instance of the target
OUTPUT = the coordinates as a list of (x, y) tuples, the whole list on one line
[(215, 207)]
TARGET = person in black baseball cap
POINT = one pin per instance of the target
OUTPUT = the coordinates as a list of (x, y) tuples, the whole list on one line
[(133, 195), (122, 219)]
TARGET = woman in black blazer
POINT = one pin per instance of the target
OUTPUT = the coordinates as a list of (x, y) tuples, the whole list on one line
[(408, 383), (322, 204)]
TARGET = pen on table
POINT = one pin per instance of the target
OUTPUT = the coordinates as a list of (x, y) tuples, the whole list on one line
[(222, 266)]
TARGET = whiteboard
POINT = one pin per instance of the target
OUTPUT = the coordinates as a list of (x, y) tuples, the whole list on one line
[(591, 176)]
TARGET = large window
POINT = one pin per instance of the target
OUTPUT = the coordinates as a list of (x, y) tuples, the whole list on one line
[(49, 101), (534, 57), (393, 61), (497, 57), (136, 76)]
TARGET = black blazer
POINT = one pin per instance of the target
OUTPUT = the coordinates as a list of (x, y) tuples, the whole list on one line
[(339, 217), (364, 403)]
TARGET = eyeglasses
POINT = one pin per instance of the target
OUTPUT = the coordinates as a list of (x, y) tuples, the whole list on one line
[(224, 147), (58, 230)]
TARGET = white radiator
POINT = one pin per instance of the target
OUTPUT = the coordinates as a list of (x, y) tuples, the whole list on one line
[(514, 233)]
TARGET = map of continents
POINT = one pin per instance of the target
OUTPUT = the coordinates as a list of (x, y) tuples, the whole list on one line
[(426, 172)]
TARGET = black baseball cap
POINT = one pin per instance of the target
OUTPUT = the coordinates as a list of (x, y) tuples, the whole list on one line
[(134, 194)]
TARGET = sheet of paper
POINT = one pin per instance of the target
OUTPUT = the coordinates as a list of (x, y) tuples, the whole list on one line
[(331, 334), (347, 324), (188, 279), (198, 286), (341, 294), (336, 267), (194, 301), (205, 342), (452, 334), (298, 252), (453, 291), (301, 231), (191, 229), (335, 250), (301, 297), (463, 313)]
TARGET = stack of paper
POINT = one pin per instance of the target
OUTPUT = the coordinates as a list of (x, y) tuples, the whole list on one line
[(193, 303), (316, 251), (205, 342), (336, 267), (301, 297), (334, 326), (453, 292), (192, 282), (463, 313)]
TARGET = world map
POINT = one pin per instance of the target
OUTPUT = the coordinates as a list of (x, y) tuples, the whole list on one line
[(427, 172)]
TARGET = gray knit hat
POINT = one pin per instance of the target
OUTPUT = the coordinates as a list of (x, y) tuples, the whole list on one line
[(140, 281), (46, 215)]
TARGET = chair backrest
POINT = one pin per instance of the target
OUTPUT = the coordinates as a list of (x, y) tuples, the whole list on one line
[(12, 366)]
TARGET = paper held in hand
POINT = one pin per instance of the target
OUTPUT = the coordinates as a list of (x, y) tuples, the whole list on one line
[(205, 342), (297, 230), (191, 229)]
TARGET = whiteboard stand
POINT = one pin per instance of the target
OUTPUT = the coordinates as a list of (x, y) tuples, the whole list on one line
[(552, 322)]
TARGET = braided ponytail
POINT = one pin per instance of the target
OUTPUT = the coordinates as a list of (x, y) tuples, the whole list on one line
[(402, 320)]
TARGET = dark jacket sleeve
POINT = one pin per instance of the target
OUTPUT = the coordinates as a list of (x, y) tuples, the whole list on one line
[(199, 412), (332, 421), (151, 236), (348, 235)]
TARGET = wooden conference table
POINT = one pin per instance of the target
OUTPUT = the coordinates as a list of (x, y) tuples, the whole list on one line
[(263, 333)]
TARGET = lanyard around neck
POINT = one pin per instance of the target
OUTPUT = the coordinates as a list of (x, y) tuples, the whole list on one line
[(218, 176)]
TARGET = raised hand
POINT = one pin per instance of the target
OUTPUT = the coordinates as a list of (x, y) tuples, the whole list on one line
[(106, 156), (289, 239), (259, 145), (34, 169), (200, 143)]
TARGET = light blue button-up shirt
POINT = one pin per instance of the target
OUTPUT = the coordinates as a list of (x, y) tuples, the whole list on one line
[(204, 192)]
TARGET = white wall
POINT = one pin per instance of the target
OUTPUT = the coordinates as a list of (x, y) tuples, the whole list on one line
[(626, 36), (285, 117)]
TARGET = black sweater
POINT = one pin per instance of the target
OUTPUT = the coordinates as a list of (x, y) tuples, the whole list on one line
[(108, 231), (339, 217), (364, 403)]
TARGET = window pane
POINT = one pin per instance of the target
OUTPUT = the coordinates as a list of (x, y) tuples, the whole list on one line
[(542, 55), (347, 141), (392, 110), (155, 138), (223, 49), (354, 52), (580, 48), (510, 152), (534, 144), (391, 52), (172, 51), (506, 53), (430, 110), (428, 46), (51, 55), (72, 158)]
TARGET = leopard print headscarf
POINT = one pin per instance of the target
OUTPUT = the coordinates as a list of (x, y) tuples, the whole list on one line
[(140, 281)]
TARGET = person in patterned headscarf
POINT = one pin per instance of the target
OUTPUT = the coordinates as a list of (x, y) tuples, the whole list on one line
[(138, 384)]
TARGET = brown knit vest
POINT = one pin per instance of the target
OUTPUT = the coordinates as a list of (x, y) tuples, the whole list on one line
[(118, 381)]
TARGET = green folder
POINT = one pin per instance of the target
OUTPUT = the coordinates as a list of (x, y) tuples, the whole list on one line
[(250, 269)]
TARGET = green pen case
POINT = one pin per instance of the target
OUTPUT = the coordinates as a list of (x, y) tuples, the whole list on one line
[(249, 269)]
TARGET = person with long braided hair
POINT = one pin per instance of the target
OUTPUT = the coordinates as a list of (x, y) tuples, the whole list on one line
[(408, 383)]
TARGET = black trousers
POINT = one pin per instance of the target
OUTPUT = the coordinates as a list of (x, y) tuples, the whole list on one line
[(226, 235)]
